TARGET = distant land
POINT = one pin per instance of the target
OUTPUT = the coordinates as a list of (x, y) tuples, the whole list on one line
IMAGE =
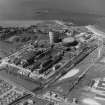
[(81, 12), (53, 14), (77, 18)]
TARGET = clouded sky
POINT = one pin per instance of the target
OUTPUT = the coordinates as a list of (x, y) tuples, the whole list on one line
[(18, 8)]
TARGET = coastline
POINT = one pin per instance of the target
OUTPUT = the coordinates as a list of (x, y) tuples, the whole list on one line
[(96, 30), (24, 23)]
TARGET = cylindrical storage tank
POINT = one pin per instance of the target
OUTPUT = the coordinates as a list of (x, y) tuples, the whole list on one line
[(51, 37), (57, 37), (54, 37), (69, 41)]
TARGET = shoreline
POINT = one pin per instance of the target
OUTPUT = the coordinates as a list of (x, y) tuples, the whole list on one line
[(95, 30), (25, 23)]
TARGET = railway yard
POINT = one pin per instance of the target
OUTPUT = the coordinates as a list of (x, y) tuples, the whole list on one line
[(38, 65)]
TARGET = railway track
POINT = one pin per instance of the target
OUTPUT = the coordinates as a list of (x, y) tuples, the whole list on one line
[(69, 65)]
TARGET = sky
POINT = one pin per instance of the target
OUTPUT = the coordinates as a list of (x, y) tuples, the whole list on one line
[(18, 9)]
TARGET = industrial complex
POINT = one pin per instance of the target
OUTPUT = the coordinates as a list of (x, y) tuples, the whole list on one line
[(51, 63)]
